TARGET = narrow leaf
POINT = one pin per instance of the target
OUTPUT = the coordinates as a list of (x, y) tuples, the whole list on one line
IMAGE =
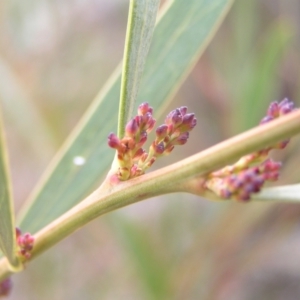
[(85, 157), (286, 193), (140, 27), (7, 228)]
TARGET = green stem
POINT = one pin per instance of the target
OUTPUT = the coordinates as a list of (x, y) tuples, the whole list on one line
[(108, 198), (140, 27)]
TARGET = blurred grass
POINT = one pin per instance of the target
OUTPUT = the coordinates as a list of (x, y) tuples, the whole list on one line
[(201, 250)]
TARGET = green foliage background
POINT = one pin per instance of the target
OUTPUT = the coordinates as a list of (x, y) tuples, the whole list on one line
[(54, 56)]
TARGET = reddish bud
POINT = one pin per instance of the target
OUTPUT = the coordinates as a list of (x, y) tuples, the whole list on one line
[(285, 106), (169, 149), (270, 170), (276, 110), (177, 118), (148, 122), (181, 139), (273, 110), (5, 287), (281, 145), (128, 142), (139, 120), (132, 128), (144, 108), (139, 153), (143, 139), (161, 132), (18, 232), (188, 123), (270, 165), (133, 170), (151, 162), (144, 157), (113, 141), (171, 128), (174, 118), (183, 110), (151, 125), (25, 243), (159, 148)]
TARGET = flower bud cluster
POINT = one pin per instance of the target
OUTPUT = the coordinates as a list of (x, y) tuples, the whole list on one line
[(250, 172), (133, 160), (241, 185), (25, 243), (5, 287), (277, 110)]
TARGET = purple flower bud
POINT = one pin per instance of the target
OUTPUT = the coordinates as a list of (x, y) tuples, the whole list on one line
[(161, 132), (136, 171), (273, 110), (143, 139), (177, 118), (151, 162), (159, 148), (270, 165), (144, 157), (171, 129), (133, 171), (281, 145), (18, 232), (25, 243), (144, 108), (174, 118), (148, 122), (183, 110), (132, 128), (285, 106), (276, 110), (182, 139), (128, 143), (146, 117), (240, 186), (188, 123), (269, 169), (151, 125), (234, 182), (139, 153), (113, 141), (169, 149), (5, 287), (187, 119), (139, 120)]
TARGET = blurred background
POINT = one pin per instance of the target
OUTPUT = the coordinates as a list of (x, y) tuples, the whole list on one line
[(54, 58)]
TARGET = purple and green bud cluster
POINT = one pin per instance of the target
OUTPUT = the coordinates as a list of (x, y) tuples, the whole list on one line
[(132, 158), (241, 185), (25, 243), (249, 173)]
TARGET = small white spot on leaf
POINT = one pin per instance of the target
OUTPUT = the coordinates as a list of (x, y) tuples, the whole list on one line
[(78, 160)]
